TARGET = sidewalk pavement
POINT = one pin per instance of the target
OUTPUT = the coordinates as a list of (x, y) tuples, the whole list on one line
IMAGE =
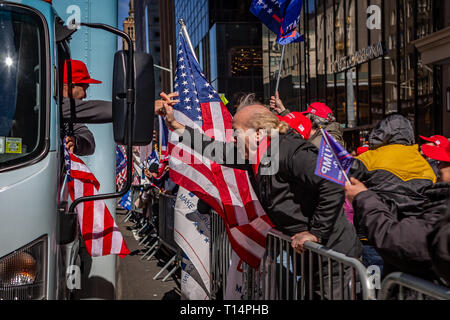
[(135, 276)]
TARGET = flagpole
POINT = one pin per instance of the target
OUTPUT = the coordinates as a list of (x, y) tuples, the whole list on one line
[(334, 155), (279, 70), (186, 36)]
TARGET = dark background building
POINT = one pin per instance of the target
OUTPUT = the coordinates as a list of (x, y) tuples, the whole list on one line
[(400, 80), (238, 54), (227, 41)]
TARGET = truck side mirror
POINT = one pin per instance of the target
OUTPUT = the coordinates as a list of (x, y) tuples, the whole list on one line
[(144, 98)]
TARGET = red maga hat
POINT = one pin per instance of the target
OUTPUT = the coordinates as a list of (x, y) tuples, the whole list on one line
[(437, 140), (298, 122), (361, 150), (319, 109), (80, 73)]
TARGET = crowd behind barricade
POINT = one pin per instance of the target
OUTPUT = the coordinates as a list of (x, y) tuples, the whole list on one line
[(394, 214)]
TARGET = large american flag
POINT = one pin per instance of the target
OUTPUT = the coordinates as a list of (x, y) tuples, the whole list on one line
[(98, 228), (228, 191)]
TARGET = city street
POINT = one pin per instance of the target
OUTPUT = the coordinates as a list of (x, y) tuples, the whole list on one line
[(135, 276)]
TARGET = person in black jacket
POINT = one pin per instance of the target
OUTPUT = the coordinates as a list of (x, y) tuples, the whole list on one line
[(298, 202), (417, 244)]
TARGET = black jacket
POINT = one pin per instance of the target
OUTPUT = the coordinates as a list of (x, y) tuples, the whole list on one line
[(402, 244), (294, 198), (439, 248)]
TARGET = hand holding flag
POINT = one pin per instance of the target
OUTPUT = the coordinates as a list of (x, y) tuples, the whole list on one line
[(333, 162)]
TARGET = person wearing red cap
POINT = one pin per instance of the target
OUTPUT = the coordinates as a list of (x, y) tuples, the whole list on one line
[(439, 150), (81, 141), (319, 114), (362, 150), (434, 141)]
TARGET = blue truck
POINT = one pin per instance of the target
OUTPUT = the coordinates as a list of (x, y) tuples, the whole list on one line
[(41, 251)]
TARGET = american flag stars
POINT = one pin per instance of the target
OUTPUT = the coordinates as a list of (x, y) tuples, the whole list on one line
[(191, 93)]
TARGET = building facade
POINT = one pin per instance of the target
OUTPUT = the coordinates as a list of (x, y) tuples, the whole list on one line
[(362, 59), (148, 35)]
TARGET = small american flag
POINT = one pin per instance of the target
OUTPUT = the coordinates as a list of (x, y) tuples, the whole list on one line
[(121, 166), (98, 228), (163, 140), (228, 191)]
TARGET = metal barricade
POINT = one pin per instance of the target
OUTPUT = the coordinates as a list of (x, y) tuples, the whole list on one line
[(166, 221), (318, 273), (220, 257), (401, 286), (166, 234)]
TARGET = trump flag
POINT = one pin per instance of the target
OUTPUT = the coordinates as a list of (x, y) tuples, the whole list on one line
[(334, 161), (281, 17)]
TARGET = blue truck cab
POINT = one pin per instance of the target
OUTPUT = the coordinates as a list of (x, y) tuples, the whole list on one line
[(35, 263)]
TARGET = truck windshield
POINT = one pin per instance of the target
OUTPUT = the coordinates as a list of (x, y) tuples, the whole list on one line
[(22, 85)]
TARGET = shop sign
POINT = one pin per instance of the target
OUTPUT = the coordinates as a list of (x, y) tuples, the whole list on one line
[(362, 56)]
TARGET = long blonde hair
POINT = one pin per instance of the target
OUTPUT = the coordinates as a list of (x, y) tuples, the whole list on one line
[(262, 119)]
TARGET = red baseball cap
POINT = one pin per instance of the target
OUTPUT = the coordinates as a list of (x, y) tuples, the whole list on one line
[(298, 122), (319, 109), (440, 152), (361, 150), (80, 73), (437, 140)]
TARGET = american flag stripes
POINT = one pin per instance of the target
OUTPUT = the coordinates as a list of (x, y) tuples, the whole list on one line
[(228, 191), (98, 228)]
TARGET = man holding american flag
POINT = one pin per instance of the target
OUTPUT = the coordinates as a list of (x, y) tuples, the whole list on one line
[(208, 160)]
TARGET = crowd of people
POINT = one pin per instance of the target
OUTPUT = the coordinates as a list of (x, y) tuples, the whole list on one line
[(393, 214)]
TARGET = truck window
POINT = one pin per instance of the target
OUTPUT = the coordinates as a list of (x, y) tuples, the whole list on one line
[(22, 85)]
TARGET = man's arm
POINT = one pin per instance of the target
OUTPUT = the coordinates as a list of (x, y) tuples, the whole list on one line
[(224, 153), (91, 111), (439, 247), (403, 240)]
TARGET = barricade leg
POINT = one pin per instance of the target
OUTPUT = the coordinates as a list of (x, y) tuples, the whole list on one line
[(154, 252), (171, 272), (165, 267), (128, 216), (150, 249)]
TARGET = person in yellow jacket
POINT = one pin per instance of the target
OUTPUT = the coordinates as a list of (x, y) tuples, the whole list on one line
[(396, 171)]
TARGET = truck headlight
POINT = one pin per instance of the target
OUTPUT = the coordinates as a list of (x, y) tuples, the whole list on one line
[(23, 273)]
